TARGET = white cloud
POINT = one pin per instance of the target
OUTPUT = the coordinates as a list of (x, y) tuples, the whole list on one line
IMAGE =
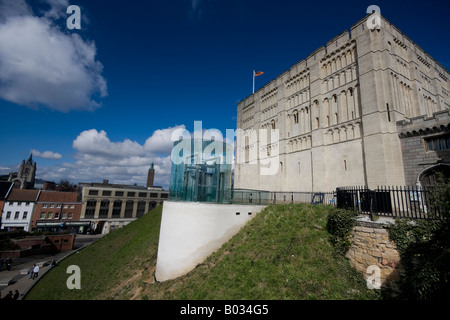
[(160, 141), (46, 154), (42, 66), (97, 144)]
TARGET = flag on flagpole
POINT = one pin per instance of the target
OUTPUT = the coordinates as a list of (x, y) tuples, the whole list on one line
[(255, 74)]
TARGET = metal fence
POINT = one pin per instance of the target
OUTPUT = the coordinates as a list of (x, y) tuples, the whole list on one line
[(245, 196), (388, 201)]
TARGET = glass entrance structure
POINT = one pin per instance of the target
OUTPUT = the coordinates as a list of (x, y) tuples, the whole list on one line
[(201, 171)]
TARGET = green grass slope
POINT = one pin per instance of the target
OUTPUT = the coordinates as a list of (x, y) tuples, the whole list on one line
[(107, 266), (282, 253)]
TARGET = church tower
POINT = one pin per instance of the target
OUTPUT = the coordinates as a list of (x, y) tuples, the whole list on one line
[(25, 177), (151, 176)]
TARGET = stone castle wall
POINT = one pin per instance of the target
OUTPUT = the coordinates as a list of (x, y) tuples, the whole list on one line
[(336, 114), (371, 246), (414, 135)]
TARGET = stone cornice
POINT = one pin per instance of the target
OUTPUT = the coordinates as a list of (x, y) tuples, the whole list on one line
[(420, 126)]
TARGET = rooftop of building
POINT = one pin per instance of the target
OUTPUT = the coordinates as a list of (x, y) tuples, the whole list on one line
[(106, 184), (57, 196), (23, 195)]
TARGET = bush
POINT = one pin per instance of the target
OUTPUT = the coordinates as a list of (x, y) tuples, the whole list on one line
[(340, 224), (424, 248)]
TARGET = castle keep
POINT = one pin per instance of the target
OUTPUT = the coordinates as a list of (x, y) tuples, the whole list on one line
[(351, 113)]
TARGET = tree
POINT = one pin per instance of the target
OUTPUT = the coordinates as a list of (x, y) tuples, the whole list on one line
[(66, 186)]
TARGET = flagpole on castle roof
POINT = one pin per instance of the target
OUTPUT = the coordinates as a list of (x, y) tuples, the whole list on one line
[(253, 82), (254, 75)]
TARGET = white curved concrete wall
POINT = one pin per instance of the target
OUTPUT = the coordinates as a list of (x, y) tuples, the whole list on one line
[(191, 231)]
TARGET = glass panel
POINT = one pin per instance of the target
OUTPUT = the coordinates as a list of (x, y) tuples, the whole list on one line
[(200, 177)]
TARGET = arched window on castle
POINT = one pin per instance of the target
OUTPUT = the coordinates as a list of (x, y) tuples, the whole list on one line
[(295, 114), (315, 114)]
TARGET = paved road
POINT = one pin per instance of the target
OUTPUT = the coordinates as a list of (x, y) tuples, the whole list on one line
[(17, 278)]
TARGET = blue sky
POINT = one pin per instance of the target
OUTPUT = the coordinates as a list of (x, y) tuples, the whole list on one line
[(101, 102)]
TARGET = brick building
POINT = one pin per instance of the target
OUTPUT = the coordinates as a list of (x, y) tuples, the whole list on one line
[(58, 211)]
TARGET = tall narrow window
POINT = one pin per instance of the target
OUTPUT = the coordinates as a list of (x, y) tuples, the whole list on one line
[(129, 209), (388, 113), (104, 208), (295, 116), (90, 208), (117, 207), (345, 165), (140, 209)]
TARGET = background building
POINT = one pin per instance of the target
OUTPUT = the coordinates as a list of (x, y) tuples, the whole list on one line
[(108, 206), (5, 189), (58, 211), (151, 176), (25, 177), (342, 114), (18, 209)]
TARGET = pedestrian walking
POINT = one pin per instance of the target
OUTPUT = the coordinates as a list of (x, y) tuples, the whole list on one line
[(16, 295), (35, 271), (30, 272)]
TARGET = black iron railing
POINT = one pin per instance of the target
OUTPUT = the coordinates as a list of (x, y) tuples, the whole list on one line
[(409, 202)]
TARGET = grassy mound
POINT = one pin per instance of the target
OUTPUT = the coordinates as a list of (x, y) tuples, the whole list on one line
[(282, 253), (109, 266)]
